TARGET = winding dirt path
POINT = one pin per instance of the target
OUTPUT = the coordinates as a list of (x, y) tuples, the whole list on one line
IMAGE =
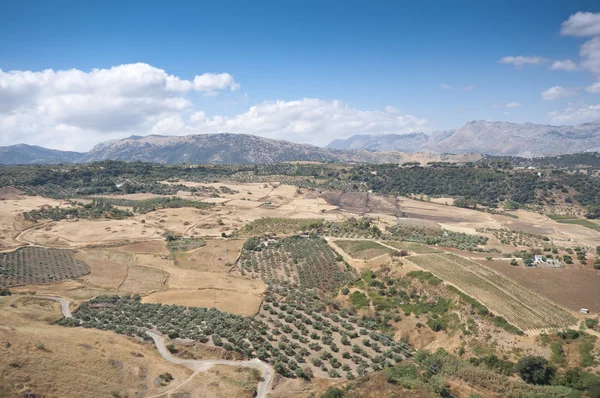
[(196, 365)]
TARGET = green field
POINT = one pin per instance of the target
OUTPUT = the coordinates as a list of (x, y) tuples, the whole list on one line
[(574, 220)]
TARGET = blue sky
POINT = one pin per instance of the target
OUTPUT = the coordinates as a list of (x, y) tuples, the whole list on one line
[(310, 71)]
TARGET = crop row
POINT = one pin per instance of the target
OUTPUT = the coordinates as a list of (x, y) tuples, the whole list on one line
[(308, 262), (39, 265), (292, 331), (518, 305)]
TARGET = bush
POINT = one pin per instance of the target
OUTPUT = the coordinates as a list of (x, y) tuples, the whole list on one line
[(359, 299), (333, 393), (534, 370)]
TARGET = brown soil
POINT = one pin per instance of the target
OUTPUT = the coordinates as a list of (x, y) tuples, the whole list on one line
[(570, 288)]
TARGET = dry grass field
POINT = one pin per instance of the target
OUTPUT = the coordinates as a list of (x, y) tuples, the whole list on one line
[(49, 360), (501, 295), (212, 257)]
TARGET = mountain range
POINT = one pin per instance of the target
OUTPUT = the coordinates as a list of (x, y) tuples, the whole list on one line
[(490, 138), (467, 143)]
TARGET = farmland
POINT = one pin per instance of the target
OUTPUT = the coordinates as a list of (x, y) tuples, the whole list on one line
[(293, 332), (563, 219), (412, 247), (312, 286), (501, 295), (306, 262), (39, 265), (363, 249)]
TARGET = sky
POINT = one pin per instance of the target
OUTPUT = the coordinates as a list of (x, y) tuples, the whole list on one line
[(76, 73)]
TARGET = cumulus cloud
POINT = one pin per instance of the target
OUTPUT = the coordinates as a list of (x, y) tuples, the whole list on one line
[(581, 24), (309, 120), (565, 65), (522, 60), (211, 82), (556, 92), (593, 88), (445, 86), (513, 105), (571, 115), (74, 109), (126, 98), (585, 24), (590, 52)]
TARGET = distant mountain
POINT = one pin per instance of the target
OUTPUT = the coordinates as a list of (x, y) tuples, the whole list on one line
[(386, 142), (491, 138), (235, 149), (31, 154)]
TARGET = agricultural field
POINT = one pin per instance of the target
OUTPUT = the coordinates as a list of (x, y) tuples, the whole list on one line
[(564, 219), (363, 249), (33, 265), (411, 247), (292, 331), (308, 262), (519, 306), (144, 280)]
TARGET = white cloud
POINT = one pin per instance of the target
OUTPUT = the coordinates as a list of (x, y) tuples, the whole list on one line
[(521, 60), (581, 24), (445, 86), (63, 106), (593, 88), (211, 82), (309, 120), (513, 105), (565, 65), (469, 87), (572, 116), (556, 92), (590, 52)]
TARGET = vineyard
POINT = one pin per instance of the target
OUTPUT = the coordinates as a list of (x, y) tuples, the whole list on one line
[(293, 331), (501, 295), (307, 262), (363, 249), (39, 265)]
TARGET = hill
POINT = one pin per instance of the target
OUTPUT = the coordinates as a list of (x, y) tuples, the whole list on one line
[(31, 154)]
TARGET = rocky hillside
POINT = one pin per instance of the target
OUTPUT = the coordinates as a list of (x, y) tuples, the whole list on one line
[(30, 154), (491, 138)]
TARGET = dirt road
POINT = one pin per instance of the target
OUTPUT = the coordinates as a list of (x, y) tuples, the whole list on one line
[(196, 365)]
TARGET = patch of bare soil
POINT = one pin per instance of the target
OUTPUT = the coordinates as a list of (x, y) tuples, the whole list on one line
[(10, 193), (570, 288)]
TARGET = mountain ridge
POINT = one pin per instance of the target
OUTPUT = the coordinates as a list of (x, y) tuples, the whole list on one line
[(475, 137), (490, 138)]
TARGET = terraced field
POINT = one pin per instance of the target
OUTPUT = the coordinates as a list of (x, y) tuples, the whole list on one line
[(518, 305)]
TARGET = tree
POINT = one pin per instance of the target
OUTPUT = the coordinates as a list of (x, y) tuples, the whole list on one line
[(534, 370)]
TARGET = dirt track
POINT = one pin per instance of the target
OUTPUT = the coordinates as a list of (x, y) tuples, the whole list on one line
[(196, 365)]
